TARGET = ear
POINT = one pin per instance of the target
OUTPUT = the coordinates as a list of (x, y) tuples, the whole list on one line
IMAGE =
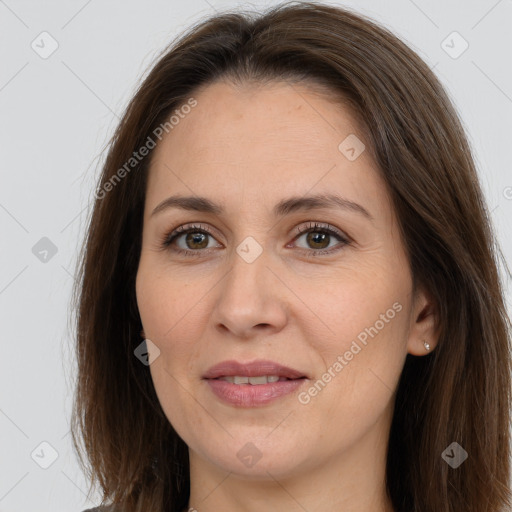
[(424, 319)]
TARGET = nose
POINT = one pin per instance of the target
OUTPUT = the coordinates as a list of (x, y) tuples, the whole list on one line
[(251, 299)]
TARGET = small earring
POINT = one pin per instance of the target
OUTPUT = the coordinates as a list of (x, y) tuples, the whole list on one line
[(427, 346)]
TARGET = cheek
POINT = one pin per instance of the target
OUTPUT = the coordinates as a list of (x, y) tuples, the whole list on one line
[(168, 316), (354, 301), (365, 325), (172, 315), (164, 303)]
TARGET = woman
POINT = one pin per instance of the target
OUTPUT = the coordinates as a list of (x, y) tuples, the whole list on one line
[(289, 291)]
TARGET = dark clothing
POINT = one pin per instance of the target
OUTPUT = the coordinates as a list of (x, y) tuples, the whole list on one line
[(106, 508)]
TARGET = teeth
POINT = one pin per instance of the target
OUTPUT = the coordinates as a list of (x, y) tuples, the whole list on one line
[(258, 380), (262, 379)]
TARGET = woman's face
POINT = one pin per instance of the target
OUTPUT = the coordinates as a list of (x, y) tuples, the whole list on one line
[(265, 282)]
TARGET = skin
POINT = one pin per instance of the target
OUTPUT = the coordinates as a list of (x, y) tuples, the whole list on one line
[(247, 148)]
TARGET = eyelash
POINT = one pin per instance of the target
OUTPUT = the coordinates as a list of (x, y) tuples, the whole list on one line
[(315, 227)]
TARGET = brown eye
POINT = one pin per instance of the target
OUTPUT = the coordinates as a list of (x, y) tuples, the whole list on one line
[(318, 238), (196, 240)]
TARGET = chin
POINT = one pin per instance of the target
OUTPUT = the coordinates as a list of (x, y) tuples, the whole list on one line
[(255, 459)]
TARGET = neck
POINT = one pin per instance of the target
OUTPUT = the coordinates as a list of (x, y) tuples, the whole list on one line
[(351, 481)]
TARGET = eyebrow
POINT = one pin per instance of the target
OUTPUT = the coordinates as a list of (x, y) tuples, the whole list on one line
[(284, 207)]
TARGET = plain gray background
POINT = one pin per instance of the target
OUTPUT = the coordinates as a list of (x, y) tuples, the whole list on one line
[(56, 113)]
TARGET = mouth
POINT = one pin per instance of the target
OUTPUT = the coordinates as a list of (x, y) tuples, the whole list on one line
[(252, 384), (254, 381), (255, 371)]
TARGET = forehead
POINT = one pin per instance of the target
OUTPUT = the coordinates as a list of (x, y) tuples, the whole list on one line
[(278, 117), (271, 139)]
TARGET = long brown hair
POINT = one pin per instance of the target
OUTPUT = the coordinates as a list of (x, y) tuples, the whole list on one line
[(461, 392)]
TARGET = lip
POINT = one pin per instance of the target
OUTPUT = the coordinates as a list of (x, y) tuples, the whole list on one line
[(252, 369), (248, 395)]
